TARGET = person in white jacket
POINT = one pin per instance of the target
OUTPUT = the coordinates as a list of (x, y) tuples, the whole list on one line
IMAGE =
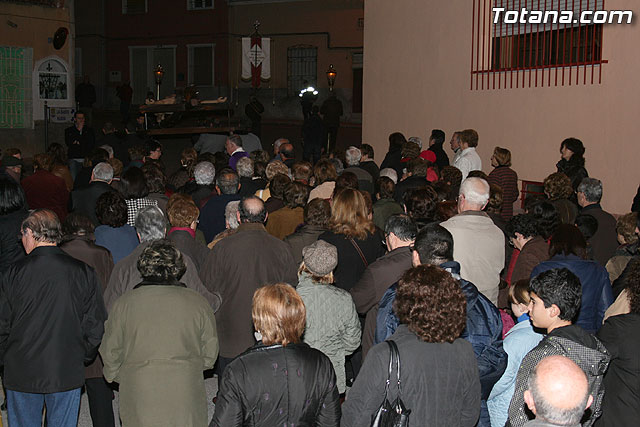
[(468, 160)]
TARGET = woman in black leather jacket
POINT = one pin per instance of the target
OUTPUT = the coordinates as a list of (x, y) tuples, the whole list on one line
[(280, 380)]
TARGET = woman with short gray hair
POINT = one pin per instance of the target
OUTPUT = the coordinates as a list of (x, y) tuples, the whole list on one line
[(158, 359)]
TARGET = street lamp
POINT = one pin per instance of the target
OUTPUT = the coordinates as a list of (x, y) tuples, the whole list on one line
[(159, 74), (331, 76)]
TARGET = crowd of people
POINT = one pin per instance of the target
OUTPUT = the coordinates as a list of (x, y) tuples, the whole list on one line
[(339, 292)]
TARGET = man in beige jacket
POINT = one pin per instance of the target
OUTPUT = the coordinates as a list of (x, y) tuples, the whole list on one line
[(478, 244)]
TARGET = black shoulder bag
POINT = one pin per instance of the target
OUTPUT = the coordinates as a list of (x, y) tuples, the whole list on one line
[(392, 414)]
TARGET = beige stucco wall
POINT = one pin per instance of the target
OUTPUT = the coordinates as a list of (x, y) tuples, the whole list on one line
[(417, 77), (35, 25)]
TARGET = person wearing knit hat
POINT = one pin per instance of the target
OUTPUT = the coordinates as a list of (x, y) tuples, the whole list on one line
[(332, 321)]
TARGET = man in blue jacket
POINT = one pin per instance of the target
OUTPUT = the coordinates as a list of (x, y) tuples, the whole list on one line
[(434, 246)]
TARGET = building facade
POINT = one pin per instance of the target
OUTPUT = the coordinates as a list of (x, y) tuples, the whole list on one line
[(37, 64), (433, 65)]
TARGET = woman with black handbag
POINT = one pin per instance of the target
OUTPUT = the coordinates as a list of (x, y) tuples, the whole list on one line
[(433, 377)]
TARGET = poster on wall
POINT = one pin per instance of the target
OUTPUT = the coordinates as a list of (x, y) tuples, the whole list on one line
[(52, 86), (52, 80)]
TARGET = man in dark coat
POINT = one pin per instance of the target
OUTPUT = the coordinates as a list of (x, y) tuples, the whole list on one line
[(84, 200), (367, 163), (79, 243), (254, 110), (237, 266), (86, 97), (80, 141), (51, 324), (400, 232), (331, 111), (314, 136), (435, 145), (212, 213), (605, 240), (365, 180)]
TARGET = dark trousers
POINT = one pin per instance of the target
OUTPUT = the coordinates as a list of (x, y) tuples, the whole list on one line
[(311, 152), (332, 131), (100, 397)]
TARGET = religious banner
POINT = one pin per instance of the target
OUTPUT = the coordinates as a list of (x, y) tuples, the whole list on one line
[(256, 59)]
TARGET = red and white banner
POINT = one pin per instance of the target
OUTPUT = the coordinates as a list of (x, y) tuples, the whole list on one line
[(256, 59)]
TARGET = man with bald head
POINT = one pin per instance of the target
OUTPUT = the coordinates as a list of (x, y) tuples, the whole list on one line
[(478, 243), (237, 266), (558, 393)]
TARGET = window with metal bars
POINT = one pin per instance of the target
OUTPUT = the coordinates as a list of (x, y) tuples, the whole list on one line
[(131, 7), (302, 65), (200, 62), (507, 55), (199, 4)]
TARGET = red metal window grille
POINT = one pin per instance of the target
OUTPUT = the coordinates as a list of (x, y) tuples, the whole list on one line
[(507, 55)]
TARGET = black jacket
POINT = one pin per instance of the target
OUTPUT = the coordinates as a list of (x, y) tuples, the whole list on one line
[(275, 386), (621, 403), (350, 264), (371, 167), (393, 160), (84, 200), (212, 220), (442, 159), (51, 321), (86, 140), (409, 183), (11, 248), (574, 170)]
